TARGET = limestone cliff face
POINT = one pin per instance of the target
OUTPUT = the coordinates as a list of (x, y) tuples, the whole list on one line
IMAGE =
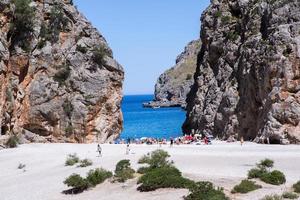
[(247, 81), (58, 79), (173, 85)]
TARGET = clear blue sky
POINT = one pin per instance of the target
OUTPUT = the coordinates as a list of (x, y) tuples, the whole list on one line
[(145, 35)]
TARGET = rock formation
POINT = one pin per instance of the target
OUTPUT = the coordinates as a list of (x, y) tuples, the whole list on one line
[(58, 79), (247, 81), (173, 85)]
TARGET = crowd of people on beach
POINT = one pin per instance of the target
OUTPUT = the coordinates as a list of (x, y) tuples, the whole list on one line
[(187, 139)]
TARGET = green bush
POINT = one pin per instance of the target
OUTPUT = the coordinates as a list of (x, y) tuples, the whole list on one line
[(290, 195), (256, 173), (77, 183), (85, 163), (21, 27), (143, 170), (272, 197), (99, 55), (275, 178), (266, 163), (245, 186), (165, 177), (225, 19), (57, 22), (68, 108), (12, 142), (296, 187), (206, 191), (62, 75), (218, 14), (81, 49), (123, 171), (97, 176), (69, 130), (262, 171), (189, 77), (72, 159), (156, 159)]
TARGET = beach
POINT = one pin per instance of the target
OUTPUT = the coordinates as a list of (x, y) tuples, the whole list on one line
[(224, 164)]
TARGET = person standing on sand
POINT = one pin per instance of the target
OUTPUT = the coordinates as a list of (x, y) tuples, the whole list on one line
[(171, 142), (99, 150), (127, 149), (242, 141)]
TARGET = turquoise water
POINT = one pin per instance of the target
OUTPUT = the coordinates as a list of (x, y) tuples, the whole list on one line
[(146, 122)]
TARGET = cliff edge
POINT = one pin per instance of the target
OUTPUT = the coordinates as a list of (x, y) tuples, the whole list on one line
[(247, 83), (58, 79)]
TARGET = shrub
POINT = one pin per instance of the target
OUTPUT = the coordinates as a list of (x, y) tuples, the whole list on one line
[(69, 130), (290, 195), (97, 176), (68, 108), (275, 178), (296, 187), (266, 163), (57, 22), (62, 74), (262, 172), (225, 19), (206, 191), (85, 163), (77, 183), (12, 142), (272, 197), (72, 159), (232, 35), (218, 14), (123, 171), (81, 49), (245, 186), (256, 173), (189, 77), (41, 44), (165, 177), (99, 55), (156, 159), (21, 28), (143, 170)]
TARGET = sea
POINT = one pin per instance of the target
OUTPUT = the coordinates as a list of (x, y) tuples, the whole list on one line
[(147, 122)]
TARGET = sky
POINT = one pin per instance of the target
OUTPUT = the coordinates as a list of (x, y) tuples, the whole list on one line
[(145, 35)]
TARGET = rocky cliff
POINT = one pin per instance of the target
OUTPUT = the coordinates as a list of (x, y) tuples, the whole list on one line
[(58, 79), (247, 82), (173, 85)]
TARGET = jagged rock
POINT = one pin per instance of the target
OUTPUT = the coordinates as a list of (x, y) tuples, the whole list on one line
[(173, 85), (248, 77), (61, 83)]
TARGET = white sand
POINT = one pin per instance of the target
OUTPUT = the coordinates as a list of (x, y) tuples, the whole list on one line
[(224, 164)]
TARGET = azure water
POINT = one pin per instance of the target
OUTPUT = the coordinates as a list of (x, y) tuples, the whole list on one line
[(146, 122)]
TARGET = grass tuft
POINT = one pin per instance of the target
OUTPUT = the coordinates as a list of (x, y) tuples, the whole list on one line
[(246, 186)]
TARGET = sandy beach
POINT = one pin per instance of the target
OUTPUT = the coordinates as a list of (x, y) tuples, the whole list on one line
[(223, 164)]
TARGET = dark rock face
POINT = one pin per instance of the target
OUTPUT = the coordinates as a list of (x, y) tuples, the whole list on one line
[(173, 85), (248, 76), (59, 83)]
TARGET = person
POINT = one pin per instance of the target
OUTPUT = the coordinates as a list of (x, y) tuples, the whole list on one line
[(160, 142), (242, 140), (171, 142), (205, 140), (127, 149), (99, 149)]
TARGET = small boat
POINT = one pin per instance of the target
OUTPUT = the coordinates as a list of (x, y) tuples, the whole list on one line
[(156, 107)]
